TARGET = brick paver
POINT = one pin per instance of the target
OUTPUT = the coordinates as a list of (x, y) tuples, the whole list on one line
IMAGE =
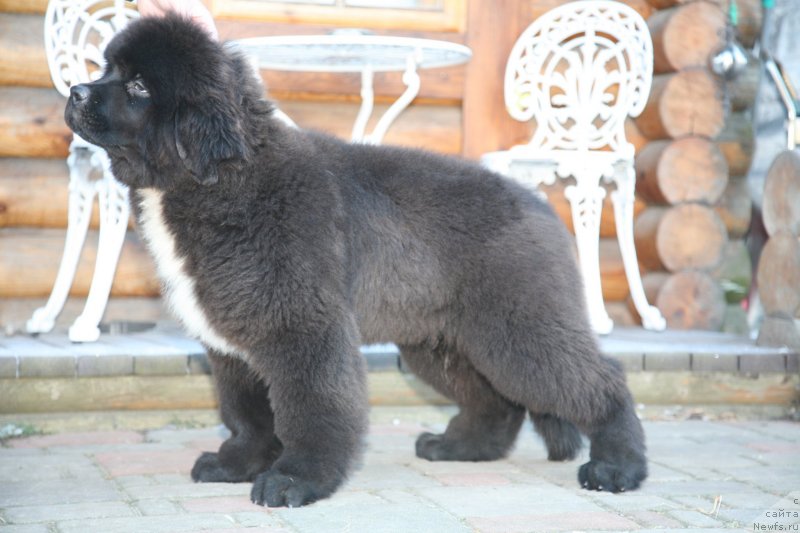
[(704, 476)]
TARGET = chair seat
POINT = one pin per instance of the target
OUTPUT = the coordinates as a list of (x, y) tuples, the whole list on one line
[(536, 167)]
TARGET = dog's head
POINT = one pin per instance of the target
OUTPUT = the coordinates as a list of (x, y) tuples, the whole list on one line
[(172, 104)]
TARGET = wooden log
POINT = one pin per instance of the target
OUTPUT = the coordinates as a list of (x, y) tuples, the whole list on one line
[(29, 260), (750, 21), (779, 275), (612, 272), (735, 208), (436, 128), (691, 236), (781, 205), (634, 135), (32, 123), (692, 300), (652, 283), (736, 140), (23, 6), (685, 236), (683, 103), (22, 56), (691, 169), (685, 36), (34, 192), (645, 231), (735, 272)]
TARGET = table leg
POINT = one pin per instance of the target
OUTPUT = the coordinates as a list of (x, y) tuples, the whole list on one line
[(412, 82), (367, 102)]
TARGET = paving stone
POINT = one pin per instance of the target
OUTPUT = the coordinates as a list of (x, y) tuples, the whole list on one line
[(86, 438), (8, 366), (26, 528), (379, 517), (157, 507), (694, 518), (653, 519), (388, 476), (658, 362), (147, 462), (46, 366), (189, 489), (508, 500), (632, 501), (150, 524), (105, 365), (199, 364), (71, 511), (753, 466), (217, 504), (567, 521), (762, 363), (56, 491), (160, 365), (48, 467), (708, 362), (264, 519), (631, 362)]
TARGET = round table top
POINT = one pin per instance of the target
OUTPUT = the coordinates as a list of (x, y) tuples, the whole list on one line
[(351, 52)]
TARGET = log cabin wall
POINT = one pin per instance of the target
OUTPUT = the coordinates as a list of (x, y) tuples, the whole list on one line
[(693, 154), (692, 167)]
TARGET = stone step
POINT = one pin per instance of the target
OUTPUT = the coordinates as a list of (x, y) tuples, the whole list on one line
[(162, 369)]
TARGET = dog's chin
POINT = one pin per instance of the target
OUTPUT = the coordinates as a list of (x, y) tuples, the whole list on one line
[(81, 127)]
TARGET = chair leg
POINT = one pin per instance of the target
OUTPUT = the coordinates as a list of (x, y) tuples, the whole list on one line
[(623, 199), (587, 202), (81, 196), (114, 216)]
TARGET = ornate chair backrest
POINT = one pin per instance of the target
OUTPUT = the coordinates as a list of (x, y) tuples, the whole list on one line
[(75, 34), (578, 71)]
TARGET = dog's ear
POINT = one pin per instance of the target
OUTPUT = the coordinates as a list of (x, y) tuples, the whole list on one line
[(206, 136)]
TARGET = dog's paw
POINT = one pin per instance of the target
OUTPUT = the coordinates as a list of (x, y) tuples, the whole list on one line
[(209, 469), (443, 448), (602, 475), (274, 489)]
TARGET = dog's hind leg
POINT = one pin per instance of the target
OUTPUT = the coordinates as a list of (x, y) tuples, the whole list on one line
[(245, 411), (487, 424), (562, 438)]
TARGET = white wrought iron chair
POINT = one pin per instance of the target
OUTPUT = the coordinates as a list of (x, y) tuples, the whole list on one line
[(578, 71), (76, 32)]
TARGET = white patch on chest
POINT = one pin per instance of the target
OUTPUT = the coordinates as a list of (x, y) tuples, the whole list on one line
[(179, 287)]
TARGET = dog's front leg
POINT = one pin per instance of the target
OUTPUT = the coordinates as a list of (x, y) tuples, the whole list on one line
[(317, 388)]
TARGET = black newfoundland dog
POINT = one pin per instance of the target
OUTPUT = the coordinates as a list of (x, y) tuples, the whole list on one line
[(283, 250)]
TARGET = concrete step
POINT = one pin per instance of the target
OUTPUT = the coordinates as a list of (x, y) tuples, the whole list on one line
[(162, 369)]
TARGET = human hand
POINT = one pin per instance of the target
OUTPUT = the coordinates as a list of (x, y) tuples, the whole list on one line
[(194, 10)]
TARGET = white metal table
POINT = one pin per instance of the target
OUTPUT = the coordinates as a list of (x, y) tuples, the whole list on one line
[(353, 51)]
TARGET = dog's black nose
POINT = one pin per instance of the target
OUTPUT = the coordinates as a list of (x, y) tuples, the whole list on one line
[(79, 93)]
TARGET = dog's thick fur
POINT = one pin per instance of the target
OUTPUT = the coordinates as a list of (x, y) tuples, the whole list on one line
[(283, 250)]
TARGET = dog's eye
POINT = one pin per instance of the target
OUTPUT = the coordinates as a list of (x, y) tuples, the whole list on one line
[(138, 88)]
